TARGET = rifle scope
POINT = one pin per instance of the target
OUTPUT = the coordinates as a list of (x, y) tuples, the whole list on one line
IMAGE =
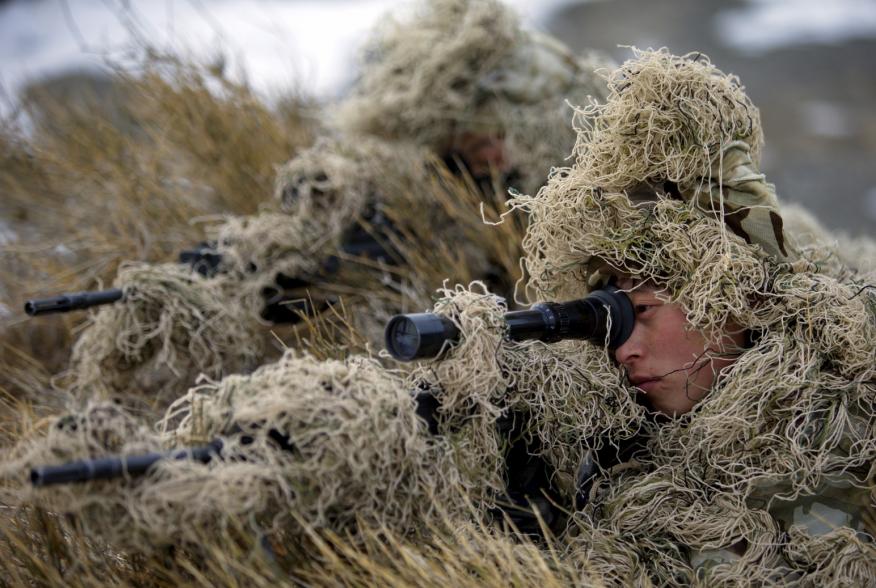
[(72, 301), (606, 314)]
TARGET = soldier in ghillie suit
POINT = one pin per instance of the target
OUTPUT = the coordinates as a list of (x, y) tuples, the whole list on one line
[(759, 467), (465, 80), (356, 217)]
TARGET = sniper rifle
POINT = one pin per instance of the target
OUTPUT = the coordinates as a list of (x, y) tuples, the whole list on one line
[(283, 302)]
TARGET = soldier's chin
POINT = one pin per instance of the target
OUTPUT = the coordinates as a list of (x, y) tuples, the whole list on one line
[(660, 398)]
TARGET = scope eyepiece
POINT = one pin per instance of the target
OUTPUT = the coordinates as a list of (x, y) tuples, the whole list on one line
[(605, 316), (620, 315)]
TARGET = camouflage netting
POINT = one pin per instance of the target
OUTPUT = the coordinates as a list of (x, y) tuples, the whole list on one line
[(333, 444), (775, 467), (458, 66), (172, 326)]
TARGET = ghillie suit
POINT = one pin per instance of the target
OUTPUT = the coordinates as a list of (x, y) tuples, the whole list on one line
[(172, 326), (770, 477), (167, 529), (375, 223), (331, 444), (466, 66), (835, 252)]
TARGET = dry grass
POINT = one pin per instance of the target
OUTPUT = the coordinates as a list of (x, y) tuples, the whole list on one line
[(125, 184), (116, 171), (43, 549), (465, 555)]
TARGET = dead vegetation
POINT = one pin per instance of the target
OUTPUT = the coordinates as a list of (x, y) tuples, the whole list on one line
[(90, 182)]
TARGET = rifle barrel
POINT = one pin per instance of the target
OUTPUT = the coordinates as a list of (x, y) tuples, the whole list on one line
[(72, 301), (106, 468)]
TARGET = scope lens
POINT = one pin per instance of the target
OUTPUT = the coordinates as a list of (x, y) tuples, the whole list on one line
[(402, 337)]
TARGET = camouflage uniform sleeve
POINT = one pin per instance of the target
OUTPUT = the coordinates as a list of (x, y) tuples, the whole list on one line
[(749, 203)]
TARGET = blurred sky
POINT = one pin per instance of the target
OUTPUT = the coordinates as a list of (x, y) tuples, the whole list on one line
[(806, 63), (311, 43)]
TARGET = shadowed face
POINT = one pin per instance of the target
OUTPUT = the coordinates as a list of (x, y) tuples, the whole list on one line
[(482, 153), (671, 364)]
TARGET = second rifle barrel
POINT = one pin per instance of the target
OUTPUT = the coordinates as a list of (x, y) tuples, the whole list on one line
[(72, 301), (106, 468)]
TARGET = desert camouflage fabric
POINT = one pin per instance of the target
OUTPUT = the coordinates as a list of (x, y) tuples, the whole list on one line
[(740, 195)]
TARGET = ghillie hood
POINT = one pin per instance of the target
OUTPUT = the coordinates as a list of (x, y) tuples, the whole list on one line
[(457, 66)]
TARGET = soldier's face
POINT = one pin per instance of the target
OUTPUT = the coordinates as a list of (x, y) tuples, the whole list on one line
[(482, 153), (673, 365)]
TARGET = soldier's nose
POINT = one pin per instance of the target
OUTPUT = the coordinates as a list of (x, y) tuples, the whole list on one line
[(630, 351)]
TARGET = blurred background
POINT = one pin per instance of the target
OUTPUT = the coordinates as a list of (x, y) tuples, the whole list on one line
[(807, 64)]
